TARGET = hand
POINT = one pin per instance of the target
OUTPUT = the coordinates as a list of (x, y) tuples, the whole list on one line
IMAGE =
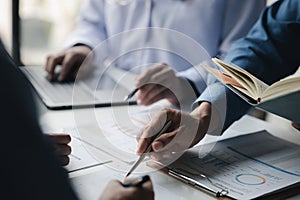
[(185, 131), (70, 61), (61, 147), (296, 126), (115, 191), (160, 82)]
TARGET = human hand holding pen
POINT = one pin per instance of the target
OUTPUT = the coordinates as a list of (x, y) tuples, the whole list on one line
[(186, 130), (148, 147), (115, 190), (160, 82)]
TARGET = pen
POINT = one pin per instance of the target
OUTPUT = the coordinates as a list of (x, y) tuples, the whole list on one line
[(141, 158), (191, 181), (136, 182), (131, 94)]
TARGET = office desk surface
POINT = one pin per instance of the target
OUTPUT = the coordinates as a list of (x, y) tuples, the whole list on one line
[(90, 182)]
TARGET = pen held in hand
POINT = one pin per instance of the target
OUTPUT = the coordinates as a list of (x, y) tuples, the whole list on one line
[(148, 149), (131, 94), (136, 182)]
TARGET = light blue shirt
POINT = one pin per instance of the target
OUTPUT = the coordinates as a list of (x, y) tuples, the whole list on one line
[(212, 24), (270, 51)]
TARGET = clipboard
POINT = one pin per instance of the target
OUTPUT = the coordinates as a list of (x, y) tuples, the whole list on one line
[(221, 192), (218, 185)]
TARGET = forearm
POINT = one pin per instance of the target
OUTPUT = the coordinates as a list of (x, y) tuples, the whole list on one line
[(227, 107), (270, 50)]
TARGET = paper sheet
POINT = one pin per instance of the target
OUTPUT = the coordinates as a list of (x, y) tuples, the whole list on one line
[(248, 166), (89, 186), (81, 158)]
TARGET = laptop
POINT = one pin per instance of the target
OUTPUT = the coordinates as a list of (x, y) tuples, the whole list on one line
[(98, 89)]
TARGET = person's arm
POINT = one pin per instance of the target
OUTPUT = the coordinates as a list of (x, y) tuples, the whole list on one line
[(90, 31), (29, 168), (238, 17), (269, 51)]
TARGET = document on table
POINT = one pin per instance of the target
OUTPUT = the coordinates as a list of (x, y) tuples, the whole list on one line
[(243, 167), (89, 186), (81, 156), (117, 130)]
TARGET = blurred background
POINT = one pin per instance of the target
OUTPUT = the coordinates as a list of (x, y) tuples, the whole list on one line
[(44, 25)]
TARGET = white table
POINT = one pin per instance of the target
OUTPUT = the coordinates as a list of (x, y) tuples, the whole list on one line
[(90, 182)]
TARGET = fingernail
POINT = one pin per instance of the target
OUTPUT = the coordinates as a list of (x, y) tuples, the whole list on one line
[(157, 146), (153, 157)]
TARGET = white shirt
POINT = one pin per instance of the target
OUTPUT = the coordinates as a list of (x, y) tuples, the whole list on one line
[(212, 24)]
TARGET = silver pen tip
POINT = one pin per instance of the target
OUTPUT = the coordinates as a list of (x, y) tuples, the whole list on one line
[(126, 98)]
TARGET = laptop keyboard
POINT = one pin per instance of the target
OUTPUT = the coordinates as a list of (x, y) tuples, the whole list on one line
[(58, 92)]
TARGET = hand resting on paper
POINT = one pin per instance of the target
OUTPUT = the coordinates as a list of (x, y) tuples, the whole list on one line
[(61, 147)]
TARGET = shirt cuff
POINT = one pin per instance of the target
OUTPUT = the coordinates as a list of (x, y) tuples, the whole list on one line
[(216, 95), (196, 76)]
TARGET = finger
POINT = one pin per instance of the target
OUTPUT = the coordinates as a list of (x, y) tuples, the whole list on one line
[(161, 156), (64, 160), (52, 62), (144, 90), (115, 183), (162, 141), (163, 77), (155, 125), (60, 138), (148, 185), (68, 66), (176, 141), (146, 98), (63, 149), (142, 145), (295, 125), (158, 97), (146, 76)]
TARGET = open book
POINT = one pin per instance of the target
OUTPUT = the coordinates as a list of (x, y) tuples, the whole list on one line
[(281, 98)]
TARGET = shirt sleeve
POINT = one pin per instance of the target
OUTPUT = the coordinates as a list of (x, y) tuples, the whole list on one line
[(239, 17), (90, 29), (269, 51), (29, 168)]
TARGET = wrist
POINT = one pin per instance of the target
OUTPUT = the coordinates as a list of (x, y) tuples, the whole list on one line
[(185, 91)]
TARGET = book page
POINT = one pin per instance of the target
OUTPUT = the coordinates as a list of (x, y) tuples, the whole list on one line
[(254, 86), (227, 80), (282, 87), (246, 166)]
